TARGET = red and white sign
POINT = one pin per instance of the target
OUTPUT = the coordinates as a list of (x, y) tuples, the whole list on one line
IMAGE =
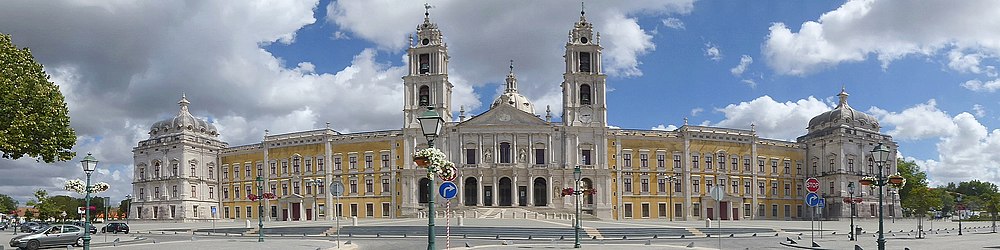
[(812, 185)]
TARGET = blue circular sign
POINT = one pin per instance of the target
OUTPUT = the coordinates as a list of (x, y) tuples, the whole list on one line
[(812, 199), (448, 190)]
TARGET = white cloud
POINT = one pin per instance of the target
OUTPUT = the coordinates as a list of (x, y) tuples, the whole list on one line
[(673, 23), (712, 52), (773, 119), (340, 35), (979, 86), (696, 111), (859, 28), (749, 82), (922, 121), (670, 127), (978, 110), (745, 62)]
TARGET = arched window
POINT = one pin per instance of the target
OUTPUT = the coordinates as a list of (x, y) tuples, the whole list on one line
[(585, 94), (504, 152), (425, 96)]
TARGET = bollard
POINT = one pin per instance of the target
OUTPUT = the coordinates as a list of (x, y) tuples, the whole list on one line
[(461, 221), (354, 220), (501, 215), (708, 222)]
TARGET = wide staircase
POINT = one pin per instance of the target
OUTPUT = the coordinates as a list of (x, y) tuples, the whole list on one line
[(540, 213)]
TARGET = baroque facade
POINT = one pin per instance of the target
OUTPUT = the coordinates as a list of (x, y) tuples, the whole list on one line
[(509, 157)]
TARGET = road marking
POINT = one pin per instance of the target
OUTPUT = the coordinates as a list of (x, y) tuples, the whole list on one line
[(552, 222)]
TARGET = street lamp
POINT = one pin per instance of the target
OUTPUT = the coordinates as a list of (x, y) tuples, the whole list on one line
[(89, 165), (430, 124), (128, 207), (318, 183), (576, 193), (880, 154), (670, 193), (959, 198), (850, 190), (260, 208)]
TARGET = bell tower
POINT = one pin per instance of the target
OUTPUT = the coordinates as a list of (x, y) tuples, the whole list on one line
[(426, 84), (583, 83)]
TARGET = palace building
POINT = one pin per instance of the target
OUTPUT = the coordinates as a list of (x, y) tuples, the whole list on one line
[(508, 157)]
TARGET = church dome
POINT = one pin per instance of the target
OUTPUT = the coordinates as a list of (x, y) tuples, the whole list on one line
[(511, 97), (184, 121), (844, 114)]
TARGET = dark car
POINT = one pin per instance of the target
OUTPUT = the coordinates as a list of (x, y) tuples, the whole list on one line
[(55, 235), (93, 229), (31, 227), (115, 227)]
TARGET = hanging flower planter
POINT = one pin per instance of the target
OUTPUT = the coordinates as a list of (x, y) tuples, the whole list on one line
[(421, 161), (78, 186), (567, 191), (867, 180), (897, 181), (436, 163)]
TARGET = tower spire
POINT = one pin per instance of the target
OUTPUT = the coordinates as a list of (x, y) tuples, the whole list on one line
[(843, 97), (511, 80), (427, 10), (183, 103)]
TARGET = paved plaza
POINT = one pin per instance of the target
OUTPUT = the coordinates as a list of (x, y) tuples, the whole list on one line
[(545, 234)]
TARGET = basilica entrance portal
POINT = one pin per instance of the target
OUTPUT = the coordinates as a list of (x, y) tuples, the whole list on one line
[(505, 192), (471, 191), (539, 192)]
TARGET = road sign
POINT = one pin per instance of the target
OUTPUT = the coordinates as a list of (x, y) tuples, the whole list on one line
[(80, 210), (821, 203), (214, 211), (717, 193), (812, 199), (448, 190), (337, 188), (812, 185)]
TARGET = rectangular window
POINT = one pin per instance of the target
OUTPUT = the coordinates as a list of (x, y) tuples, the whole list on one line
[(249, 189), (850, 165), (284, 189), (774, 210), (274, 169), (336, 163), (760, 166), (677, 186), (236, 171), (628, 210), (296, 187), (644, 160), (831, 188), (736, 187), (661, 185), (645, 210), (788, 167), (385, 185), (539, 156), (321, 208), (284, 167), (238, 212), (746, 165), (173, 192), (696, 209), (708, 161), (260, 170), (320, 166), (504, 152), (736, 164), (321, 189), (339, 209), (368, 162), (470, 156), (369, 188), (774, 166), (628, 184), (708, 185), (309, 186), (661, 210), (274, 188), (798, 168), (225, 193), (696, 186), (746, 187), (677, 161), (774, 187), (354, 186), (788, 211), (661, 161), (627, 159), (678, 210), (385, 161), (586, 157), (644, 185), (156, 193), (425, 63), (385, 209), (274, 211), (788, 189), (585, 63), (194, 191), (369, 210), (746, 209), (722, 162), (248, 171), (309, 167), (225, 211), (760, 210), (249, 212), (354, 209), (211, 172), (694, 162), (760, 187), (352, 162)]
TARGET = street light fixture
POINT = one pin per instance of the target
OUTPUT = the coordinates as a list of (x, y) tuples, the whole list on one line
[(89, 165), (318, 183), (670, 193), (430, 124), (880, 154), (260, 208), (959, 198), (576, 193), (850, 190), (128, 207)]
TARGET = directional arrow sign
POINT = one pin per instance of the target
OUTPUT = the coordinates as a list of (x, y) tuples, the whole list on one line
[(812, 199), (448, 190)]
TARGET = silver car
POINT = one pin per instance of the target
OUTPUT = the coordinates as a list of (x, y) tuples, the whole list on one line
[(55, 235)]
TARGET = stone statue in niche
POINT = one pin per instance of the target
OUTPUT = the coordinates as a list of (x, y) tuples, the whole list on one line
[(522, 155), (488, 155)]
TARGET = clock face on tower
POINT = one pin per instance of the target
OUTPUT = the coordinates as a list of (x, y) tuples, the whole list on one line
[(585, 114)]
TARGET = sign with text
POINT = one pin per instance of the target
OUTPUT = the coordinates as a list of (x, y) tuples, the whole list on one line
[(812, 185)]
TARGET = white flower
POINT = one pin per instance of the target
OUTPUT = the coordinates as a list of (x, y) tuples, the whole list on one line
[(439, 164), (80, 187)]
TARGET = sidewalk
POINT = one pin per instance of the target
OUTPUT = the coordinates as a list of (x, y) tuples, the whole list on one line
[(236, 244)]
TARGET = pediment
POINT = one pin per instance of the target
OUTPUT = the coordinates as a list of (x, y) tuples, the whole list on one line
[(504, 115)]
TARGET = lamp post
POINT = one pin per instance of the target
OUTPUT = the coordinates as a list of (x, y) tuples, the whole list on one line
[(318, 183), (260, 208), (880, 154), (670, 193), (128, 207), (850, 190), (576, 193), (960, 207), (89, 165), (430, 124)]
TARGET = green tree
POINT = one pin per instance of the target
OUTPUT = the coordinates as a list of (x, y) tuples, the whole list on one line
[(46, 209), (7, 203), (976, 188), (915, 179), (993, 207), (123, 208), (35, 120)]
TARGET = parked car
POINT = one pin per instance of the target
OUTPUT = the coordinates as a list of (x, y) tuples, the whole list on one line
[(55, 235), (31, 226), (93, 229), (115, 227)]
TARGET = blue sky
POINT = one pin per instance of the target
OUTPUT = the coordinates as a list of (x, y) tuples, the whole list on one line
[(925, 69)]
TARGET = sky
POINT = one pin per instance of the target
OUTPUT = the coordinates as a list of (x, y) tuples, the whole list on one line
[(925, 69)]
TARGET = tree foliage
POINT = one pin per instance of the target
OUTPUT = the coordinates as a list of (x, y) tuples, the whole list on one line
[(7, 203), (921, 200), (46, 208), (34, 120)]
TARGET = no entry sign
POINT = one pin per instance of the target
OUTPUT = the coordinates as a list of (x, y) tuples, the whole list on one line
[(812, 185)]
